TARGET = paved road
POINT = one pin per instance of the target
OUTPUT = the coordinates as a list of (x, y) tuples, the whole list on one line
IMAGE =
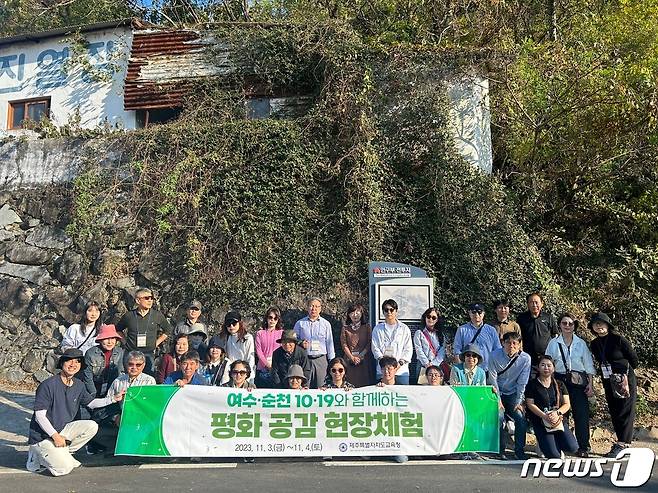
[(300, 476)]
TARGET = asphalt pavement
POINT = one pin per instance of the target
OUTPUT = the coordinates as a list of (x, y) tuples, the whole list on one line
[(271, 475)]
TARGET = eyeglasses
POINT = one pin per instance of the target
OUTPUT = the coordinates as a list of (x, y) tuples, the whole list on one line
[(337, 370), (432, 317), (239, 372), (388, 309), (135, 365), (272, 317), (147, 298), (470, 355)]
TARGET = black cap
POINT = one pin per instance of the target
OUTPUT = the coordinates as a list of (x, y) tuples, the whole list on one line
[(476, 307), (233, 316), (71, 353)]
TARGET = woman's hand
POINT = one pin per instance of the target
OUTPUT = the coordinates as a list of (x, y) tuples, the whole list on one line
[(180, 383), (552, 417)]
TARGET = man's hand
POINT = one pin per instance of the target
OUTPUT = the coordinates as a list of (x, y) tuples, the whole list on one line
[(356, 360), (520, 408), (119, 397), (59, 440)]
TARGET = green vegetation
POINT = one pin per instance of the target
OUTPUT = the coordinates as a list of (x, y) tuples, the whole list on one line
[(270, 209)]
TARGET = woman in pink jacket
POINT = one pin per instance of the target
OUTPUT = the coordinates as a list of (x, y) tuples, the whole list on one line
[(266, 337)]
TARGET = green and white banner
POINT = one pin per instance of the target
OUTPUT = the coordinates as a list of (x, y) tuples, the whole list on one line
[(198, 421)]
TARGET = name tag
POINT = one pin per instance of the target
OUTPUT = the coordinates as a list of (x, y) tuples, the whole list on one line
[(315, 345), (606, 370), (141, 340)]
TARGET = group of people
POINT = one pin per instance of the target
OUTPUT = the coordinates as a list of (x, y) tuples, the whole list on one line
[(540, 369)]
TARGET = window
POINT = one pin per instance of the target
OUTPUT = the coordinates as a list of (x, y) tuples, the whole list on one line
[(34, 110), (146, 118)]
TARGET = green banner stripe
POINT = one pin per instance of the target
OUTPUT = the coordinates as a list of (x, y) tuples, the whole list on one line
[(141, 420), (482, 422)]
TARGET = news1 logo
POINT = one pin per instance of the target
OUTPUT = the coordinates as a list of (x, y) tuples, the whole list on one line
[(638, 464)]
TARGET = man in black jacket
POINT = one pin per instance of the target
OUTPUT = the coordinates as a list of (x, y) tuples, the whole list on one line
[(537, 327), (290, 353), (144, 329)]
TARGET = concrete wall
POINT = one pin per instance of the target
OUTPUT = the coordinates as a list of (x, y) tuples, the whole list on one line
[(38, 68), (471, 119)]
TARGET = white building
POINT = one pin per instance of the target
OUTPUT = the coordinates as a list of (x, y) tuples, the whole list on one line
[(126, 75), (58, 74)]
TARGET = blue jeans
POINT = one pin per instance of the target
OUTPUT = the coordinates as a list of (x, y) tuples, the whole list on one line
[(551, 444), (520, 425)]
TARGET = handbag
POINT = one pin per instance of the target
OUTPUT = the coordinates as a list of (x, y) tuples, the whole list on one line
[(553, 428), (559, 426), (576, 378), (619, 385)]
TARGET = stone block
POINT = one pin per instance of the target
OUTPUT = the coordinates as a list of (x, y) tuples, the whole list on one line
[(8, 216), (41, 375), (70, 269), (33, 361), (36, 274), (13, 375), (21, 253), (49, 237)]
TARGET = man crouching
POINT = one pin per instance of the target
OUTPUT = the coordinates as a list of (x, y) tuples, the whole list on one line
[(54, 435)]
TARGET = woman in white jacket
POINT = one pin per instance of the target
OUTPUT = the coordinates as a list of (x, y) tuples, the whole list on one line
[(238, 342), (82, 336), (428, 344), (575, 367)]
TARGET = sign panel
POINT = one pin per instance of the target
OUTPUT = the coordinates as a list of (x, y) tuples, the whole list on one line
[(200, 421)]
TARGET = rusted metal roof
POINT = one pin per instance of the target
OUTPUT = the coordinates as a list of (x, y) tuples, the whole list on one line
[(162, 66)]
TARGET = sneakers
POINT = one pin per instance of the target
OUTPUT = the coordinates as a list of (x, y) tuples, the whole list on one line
[(248, 460), (400, 458), (93, 448), (616, 448)]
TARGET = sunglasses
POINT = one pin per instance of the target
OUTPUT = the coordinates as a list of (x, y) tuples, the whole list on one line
[(239, 372), (294, 378), (337, 370), (389, 310), (432, 317), (476, 312), (135, 365), (272, 317), (564, 322), (147, 298), (470, 355), (232, 322), (194, 309)]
